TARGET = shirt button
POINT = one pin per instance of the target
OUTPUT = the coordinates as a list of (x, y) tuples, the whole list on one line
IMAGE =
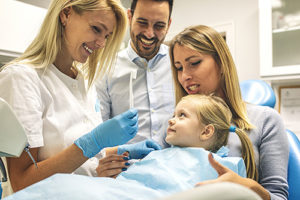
[(85, 120), (145, 63)]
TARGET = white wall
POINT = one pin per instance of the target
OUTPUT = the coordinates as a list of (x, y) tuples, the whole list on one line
[(20, 23), (20, 26), (244, 16), (39, 3)]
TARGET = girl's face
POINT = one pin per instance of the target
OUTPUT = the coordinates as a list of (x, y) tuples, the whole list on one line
[(85, 33), (197, 73), (184, 128)]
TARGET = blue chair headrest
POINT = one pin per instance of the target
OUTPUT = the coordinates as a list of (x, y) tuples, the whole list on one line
[(294, 166), (258, 92)]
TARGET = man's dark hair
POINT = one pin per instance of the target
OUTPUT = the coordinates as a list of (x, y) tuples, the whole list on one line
[(134, 2)]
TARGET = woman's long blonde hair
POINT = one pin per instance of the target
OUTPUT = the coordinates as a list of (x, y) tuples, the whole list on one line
[(208, 41), (213, 110), (46, 45)]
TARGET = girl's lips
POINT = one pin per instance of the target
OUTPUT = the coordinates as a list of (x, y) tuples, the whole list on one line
[(169, 130)]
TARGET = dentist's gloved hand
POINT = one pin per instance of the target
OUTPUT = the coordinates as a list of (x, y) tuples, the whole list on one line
[(139, 150), (112, 132)]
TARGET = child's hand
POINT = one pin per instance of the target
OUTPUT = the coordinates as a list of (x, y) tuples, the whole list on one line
[(112, 165)]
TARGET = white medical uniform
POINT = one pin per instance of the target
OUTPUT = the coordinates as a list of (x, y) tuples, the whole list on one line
[(54, 109), (146, 86)]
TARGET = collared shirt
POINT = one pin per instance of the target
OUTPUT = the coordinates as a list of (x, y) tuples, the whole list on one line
[(146, 86)]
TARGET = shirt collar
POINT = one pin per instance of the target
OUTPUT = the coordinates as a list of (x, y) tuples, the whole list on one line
[(134, 57)]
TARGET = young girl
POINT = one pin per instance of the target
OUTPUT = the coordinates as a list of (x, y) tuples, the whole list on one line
[(205, 121), (201, 125)]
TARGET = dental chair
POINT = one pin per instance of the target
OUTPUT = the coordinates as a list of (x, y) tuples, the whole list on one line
[(260, 93), (12, 143)]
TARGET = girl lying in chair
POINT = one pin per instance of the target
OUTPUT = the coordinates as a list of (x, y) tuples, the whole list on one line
[(201, 125)]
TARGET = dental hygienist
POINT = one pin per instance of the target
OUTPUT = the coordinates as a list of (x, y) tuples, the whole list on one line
[(47, 90)]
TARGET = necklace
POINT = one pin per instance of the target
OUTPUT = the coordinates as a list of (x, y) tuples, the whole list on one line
[(74, 71)]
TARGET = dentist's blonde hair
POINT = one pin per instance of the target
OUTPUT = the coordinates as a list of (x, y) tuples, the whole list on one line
[(213, 110), (46, 45), (208, 41)]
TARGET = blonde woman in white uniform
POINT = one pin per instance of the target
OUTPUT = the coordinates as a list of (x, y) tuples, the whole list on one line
[(50, 88)]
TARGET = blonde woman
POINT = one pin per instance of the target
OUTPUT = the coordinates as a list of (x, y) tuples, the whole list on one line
[(202, 64), (50, 88)]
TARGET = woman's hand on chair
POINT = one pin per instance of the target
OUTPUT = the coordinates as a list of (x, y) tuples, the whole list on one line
[(227, 175)]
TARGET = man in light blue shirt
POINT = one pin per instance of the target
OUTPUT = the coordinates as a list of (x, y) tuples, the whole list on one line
[(142, 76)]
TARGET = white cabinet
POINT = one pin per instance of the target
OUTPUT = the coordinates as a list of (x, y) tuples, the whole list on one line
[(20, 22), (279, 39)]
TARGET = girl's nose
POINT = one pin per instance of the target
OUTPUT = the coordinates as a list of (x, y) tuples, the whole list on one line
[(171, 121)]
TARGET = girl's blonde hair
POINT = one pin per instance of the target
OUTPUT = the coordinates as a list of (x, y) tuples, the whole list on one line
[(213, 110), (46, 45), (208, 41)]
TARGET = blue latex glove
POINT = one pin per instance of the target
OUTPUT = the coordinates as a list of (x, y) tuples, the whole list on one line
[(139, 150), (112, 132)]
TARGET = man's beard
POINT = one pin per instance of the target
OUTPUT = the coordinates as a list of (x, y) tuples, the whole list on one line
[(142, 51)]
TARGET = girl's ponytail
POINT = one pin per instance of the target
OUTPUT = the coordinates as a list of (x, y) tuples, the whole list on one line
[(248, 154)]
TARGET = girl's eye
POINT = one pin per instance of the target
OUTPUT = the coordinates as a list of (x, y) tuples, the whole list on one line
[(181, 115)]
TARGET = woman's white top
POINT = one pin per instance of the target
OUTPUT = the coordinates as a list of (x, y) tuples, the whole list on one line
[(54, 109)]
